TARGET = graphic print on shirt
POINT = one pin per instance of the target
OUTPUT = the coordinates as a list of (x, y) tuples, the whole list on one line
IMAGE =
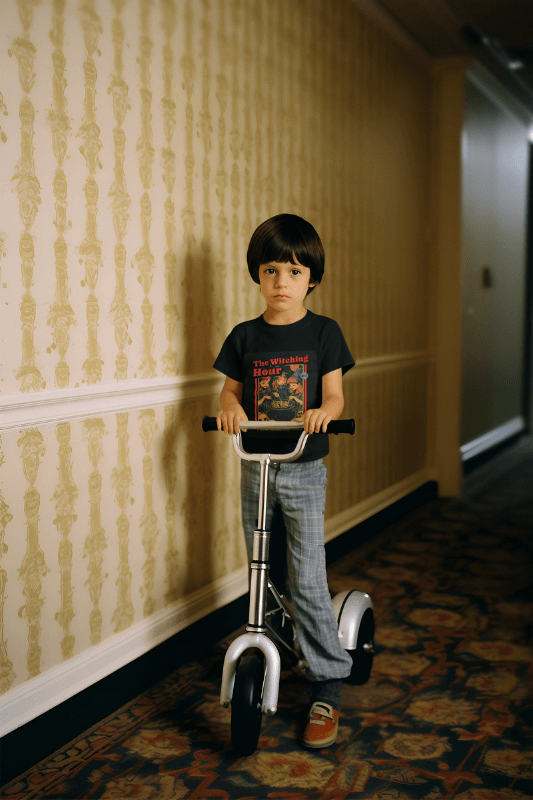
[(280, 384)]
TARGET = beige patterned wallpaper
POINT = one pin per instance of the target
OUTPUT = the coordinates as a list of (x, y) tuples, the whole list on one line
[(141, 142)]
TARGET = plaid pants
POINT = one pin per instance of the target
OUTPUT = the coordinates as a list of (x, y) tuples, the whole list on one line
[(299, 490)]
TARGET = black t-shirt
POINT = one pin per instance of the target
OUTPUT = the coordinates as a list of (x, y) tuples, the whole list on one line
[(281, 369)]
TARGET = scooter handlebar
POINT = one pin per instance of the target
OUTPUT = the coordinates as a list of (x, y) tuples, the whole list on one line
[(334, 426)]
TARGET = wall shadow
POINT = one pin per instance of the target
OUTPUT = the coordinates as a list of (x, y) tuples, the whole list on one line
[(188, 454)]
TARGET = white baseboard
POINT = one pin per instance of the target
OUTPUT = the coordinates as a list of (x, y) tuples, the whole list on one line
[(493, 437), (39, 695)]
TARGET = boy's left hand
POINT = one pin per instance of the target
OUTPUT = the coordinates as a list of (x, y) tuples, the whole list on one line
[(315, 419)]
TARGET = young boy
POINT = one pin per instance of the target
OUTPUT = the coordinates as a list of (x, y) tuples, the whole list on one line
[(305, 356)]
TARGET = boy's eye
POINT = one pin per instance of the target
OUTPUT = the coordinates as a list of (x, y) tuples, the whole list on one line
[(272, 271)]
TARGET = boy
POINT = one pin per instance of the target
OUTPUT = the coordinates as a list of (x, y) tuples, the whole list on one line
[(305, 356)]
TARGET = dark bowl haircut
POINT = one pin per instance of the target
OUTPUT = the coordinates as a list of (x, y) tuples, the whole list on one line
[(280, 239)]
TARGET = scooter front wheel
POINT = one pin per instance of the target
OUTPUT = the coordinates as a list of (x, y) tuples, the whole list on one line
[(246, 704)]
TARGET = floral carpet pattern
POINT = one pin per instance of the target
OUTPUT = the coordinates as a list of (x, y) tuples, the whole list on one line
[(446, 712)]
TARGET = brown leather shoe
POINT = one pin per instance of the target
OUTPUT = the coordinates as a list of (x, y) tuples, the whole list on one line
[(322, 725)]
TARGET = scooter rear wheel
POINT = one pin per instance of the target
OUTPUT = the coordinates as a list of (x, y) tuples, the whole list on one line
[(363, 655), (246, 711)]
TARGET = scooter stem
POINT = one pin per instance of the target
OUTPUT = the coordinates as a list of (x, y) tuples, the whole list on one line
[(259, 565), (263, 489)]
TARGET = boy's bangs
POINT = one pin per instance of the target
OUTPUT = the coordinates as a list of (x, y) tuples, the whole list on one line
[(285, 255), (283, 252)]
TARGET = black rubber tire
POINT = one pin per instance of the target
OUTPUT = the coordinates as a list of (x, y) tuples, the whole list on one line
[(362, 659), (246, 713)]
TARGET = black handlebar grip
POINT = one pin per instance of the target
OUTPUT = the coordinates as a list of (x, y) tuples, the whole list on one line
[(335, 426), (341, 426), (209, 424)]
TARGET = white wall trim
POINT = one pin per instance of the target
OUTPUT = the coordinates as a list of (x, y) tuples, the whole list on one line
[(390, 361), (39, 695), (493, 437), (63, 405)]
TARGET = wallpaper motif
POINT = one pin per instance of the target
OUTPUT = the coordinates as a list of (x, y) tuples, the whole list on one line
[(144, 259), (148, 522), (168, 162), (170, 470), (96, 541), (235, 136), (61, 315), (205, 130), (120, 199), (33, 568), (29, 194), (188, 214), (65, 496), (89, 131), (122, 480), (221, 180)]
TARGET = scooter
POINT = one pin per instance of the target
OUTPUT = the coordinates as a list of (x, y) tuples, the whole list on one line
[(252, 666)]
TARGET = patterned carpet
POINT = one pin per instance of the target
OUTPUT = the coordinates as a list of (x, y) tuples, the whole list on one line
[(446, 713)]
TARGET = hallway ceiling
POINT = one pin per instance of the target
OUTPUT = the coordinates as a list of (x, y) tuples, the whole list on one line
[(498, 33)]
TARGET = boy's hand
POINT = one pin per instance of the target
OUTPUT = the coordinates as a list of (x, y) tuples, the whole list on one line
[(228, 421), (315, 419)]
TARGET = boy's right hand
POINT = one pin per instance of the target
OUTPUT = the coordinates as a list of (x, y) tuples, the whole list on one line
[(228, 421)]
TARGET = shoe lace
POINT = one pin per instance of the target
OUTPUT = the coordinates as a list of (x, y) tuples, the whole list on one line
[(324, 711)]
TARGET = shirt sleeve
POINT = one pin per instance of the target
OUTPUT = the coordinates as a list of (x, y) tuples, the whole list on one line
[(229, 361), (335, 353)]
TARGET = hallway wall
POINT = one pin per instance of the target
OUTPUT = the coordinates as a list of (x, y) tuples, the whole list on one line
[(141, 142)]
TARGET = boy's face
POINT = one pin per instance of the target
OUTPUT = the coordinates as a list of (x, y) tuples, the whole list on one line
[(284, 285)]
